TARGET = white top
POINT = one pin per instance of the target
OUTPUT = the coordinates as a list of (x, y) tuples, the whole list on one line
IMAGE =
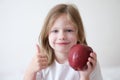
[(58, 71)]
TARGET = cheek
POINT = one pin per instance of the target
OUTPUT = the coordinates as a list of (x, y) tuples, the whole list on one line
[(73, 38), (51, 39)]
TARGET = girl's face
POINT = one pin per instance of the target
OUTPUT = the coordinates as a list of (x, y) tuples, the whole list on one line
[(62, 35)]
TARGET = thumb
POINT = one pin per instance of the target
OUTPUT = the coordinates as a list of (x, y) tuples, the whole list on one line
[(38, 48)]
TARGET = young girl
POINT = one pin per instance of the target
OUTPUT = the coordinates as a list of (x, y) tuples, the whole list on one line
[(62, 29)]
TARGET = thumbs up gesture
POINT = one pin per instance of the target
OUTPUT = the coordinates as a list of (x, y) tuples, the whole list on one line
[(39, 61)]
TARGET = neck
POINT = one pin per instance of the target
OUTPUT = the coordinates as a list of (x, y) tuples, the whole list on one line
[(61, 57)]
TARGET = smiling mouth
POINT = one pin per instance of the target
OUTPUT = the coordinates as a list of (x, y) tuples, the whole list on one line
[(63, 43)]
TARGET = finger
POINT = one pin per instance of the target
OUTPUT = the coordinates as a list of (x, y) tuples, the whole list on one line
[(38, 48), (43, 67), (91, 60), (43, 64), (89, 66), (93, 55), (43, 56), (43, 59)]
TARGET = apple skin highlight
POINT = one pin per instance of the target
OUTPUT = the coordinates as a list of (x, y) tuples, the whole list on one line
[(78, 56)]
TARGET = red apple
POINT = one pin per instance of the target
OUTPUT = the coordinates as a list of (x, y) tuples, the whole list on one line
[(78, 56)]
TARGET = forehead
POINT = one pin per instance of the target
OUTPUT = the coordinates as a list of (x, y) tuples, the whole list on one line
[(63, 21)]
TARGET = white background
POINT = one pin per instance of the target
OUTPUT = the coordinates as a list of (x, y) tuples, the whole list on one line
[(21, 21)]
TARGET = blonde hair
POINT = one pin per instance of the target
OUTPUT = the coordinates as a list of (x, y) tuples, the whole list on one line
[(73, 14)]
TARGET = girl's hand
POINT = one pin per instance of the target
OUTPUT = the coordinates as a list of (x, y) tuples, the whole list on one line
[(39, 61), (92, 60)]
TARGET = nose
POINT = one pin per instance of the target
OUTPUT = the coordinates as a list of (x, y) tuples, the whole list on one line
[(62, 35)]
